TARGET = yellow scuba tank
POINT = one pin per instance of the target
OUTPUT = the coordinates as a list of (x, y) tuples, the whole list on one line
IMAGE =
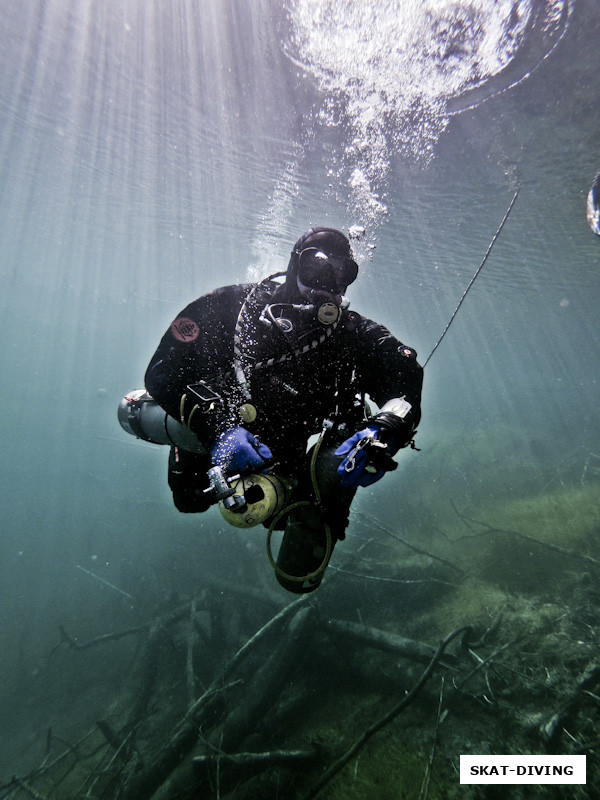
[(265, 495)]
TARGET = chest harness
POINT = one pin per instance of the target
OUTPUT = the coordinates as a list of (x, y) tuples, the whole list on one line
[(244, 363)]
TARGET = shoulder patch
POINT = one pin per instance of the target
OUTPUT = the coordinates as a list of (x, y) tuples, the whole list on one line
[(408, 352), (185, 329)]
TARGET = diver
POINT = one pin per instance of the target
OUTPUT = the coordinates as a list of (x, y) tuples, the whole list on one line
[(255, 370), (593, 206)]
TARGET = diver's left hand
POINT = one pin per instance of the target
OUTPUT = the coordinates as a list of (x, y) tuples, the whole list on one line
[(366, 457)]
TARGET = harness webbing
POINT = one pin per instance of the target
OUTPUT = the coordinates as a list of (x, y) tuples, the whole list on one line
[(242, 371)]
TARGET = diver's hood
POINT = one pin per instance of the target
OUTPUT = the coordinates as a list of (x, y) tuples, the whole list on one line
[(330, 241)]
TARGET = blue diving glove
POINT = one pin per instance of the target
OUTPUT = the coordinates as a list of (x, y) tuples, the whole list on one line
[(366, 457), (238, 450)]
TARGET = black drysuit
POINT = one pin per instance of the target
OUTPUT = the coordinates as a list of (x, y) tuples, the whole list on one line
[(295, 378)]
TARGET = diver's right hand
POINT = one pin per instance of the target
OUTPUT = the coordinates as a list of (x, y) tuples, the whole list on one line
[(238, 450)]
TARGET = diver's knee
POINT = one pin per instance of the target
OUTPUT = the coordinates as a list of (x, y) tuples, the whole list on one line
[(194, 502)]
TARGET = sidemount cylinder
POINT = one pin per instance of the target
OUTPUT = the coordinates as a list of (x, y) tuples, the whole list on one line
[(140, 415)]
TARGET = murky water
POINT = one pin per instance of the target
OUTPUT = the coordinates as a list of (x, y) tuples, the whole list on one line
[(150, 152)]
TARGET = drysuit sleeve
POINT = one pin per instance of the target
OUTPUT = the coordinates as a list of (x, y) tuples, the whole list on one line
[(390, 371), (196, 347)]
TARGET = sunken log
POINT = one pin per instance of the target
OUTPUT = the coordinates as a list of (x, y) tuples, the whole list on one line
[(411, 649), (272, 758), (172, 772)]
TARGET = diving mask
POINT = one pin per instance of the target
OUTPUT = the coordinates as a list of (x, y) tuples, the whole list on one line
[(325, 273)]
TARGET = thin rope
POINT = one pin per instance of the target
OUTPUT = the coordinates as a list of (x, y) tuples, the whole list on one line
[(472, 281)]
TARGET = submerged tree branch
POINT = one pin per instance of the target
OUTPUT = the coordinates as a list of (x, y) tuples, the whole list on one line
[(382, 640), (552, 728), (385, 720), (269, 758), (374, 523), (525, 537), (165, 620), (161, 776)]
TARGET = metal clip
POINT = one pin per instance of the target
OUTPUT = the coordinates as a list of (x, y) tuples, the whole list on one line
[(369, 440)]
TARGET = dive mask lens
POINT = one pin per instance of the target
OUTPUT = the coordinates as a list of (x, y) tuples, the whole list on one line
[(333, 274)]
